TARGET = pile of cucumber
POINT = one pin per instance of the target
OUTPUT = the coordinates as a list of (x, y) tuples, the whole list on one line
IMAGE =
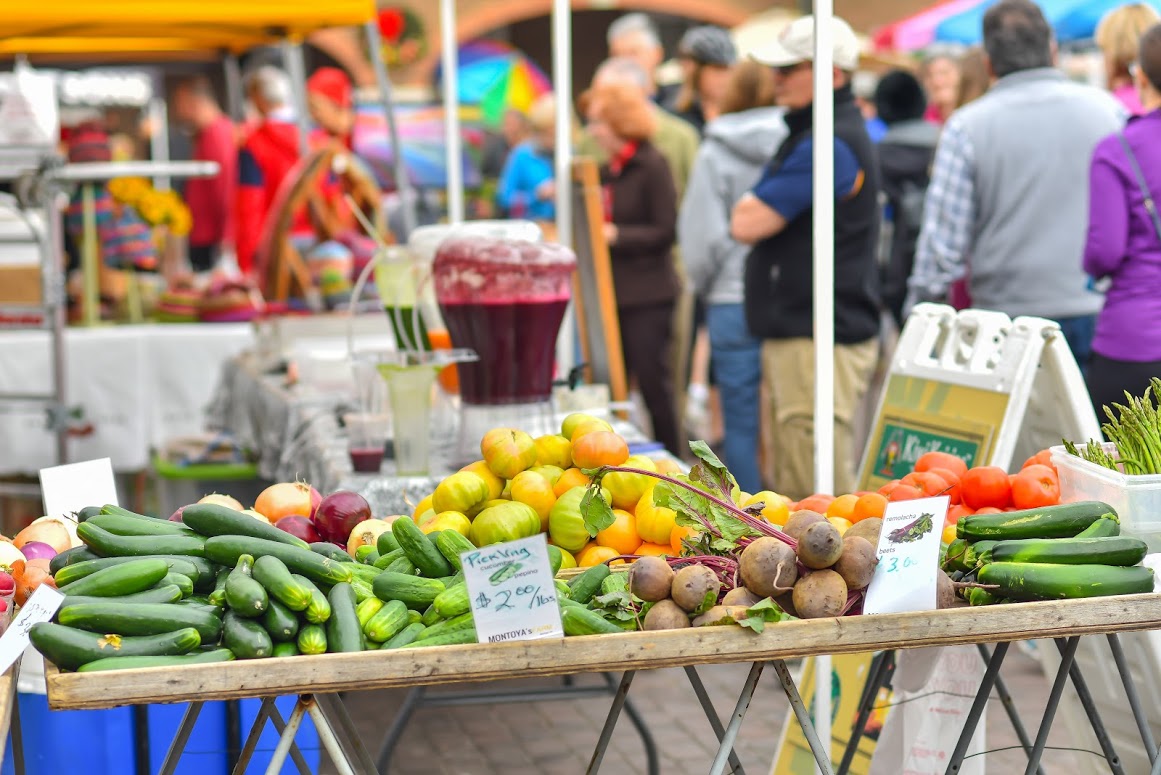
[(1074, 550)]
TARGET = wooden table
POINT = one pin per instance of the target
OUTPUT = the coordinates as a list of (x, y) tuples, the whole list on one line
[(313, 678)]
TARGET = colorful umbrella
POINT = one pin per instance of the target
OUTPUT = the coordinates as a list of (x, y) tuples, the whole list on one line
[(421, 135), (967, 27), (496, 76), (1081, 22), (918, 31)]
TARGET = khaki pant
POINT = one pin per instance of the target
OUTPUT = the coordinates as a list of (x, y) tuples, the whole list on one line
[(788, 373)]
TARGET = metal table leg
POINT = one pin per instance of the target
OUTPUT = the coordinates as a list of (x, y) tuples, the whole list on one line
[(334, 709), (280, 727), (140, 714), (711, 715), (1131, 692), (1067, 657), (395, 731), (177, 747), (17, 737), (610, 722), (1090, 708), (286, 739), (651, 760), (977, 710), (726, 746), (821, 752), (327, 736), (1010, 708), (252, 739), (882, 667)]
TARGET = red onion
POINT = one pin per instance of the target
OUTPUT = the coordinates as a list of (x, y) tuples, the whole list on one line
[(299, 527), (176, 516), (338, 514), (37, 550)]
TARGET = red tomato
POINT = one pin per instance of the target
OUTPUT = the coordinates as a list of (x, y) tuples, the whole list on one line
[(930, 460), (986, 486), (1035, 487)]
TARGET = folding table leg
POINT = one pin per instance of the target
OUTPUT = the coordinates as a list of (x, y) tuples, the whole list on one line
[(726, 746), (295, 754), (882, 666), (334, 709), (1010, 708), (821, 752), (1090, 709), (17, 737), (610, 722), (395, 731), (327, 736), (711, 715), (977, 710), (251, 744), (173, 756), (1134, 699), (1067, 657), (652, 762), (286, 739)]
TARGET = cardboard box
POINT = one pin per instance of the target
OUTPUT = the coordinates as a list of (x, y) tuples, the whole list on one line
[(20, 285)]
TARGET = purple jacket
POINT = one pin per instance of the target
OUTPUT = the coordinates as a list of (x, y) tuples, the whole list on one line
[(1123, 244)]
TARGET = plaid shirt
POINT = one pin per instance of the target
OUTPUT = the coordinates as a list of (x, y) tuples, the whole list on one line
[(949, 216)]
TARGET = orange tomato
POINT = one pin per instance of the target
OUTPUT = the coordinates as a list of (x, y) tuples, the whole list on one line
[(622, 534), (654, 523), (905, 492), (869, 506), (588, 425), (599, 448), (930, 460), (889, 487), (534, 490), (952, 480), (986, 486), (653, 550), (958, 512), (843, 507), (817, 502), (675, 536), (931, 484), (668, 466), (1035, 486), (595, 555), (990, 510), (1043, 458), (569, 479)]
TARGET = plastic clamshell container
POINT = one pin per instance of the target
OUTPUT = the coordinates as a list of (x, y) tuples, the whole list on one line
[(1137, 499)]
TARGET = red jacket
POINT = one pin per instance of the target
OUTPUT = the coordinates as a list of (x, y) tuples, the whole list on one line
[(268, 154), (211, 200)]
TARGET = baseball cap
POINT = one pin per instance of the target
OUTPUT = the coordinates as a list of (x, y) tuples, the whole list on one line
[(796, 44), (332, 83)]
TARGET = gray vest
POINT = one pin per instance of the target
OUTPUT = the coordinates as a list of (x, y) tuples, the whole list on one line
[(1033, 135)]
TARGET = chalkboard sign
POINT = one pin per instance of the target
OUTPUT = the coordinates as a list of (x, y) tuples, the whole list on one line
[(593, 295)]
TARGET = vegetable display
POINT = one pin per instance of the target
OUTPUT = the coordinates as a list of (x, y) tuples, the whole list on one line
[(1135, 432)]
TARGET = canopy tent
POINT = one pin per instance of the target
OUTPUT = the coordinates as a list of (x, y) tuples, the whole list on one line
[(918, 31), (1081, 22), (967, 27)]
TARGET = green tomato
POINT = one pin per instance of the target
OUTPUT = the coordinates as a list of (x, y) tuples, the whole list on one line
[(508, 522), (566, 525)]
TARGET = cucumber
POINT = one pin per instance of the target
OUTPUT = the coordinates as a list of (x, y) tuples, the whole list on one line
[(179, 580), (194, 604), (275, 577), (1114, 550), (1042, 581), (407, 635), (368, 608), (386, 542), (954, 557), (978, 597), (388, 621), (562, 589), (140, 619), (87, 513), (362, 589), (343, 631), (420, 550), (68, 557), (218, 596), (453, 601), (431, 616), (976, 552), (280, 623), (386, 559), (583, 587), (137, 663), (121, 511), (1105, 527), (318, 610), (414, 617), (412, 591), (581, 621), (166, 594), (555, 559), (244, 595), (330, 551), (123, 579), (450, 625), (358, 570), (312, 639), (367, 555), (211, 520), (452, 581), (286, 650), (401, 565), (80, 570), (451, 545), (136, 526), (107, 544), (227, 549), (245, 637), (459, 630), (1063, 521), (68, 648)]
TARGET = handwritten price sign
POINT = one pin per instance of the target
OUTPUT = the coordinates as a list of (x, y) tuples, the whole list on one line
[(905, 578), (512, 592)]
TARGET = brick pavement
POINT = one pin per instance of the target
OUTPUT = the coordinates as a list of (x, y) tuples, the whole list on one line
[(558, 737)]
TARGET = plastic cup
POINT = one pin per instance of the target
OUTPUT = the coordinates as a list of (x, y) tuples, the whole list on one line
[(366, 437)]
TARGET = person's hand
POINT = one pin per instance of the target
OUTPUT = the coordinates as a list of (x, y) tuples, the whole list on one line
[(611, 233), (546, 191)]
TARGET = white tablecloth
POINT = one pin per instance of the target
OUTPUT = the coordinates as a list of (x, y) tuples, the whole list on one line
[(136, 385)]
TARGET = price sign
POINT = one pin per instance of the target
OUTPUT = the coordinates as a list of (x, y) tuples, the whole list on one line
[(71, 487), (906, 576), (512, 591), (40, 607)]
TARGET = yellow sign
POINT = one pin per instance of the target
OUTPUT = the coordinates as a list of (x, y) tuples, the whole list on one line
[(922, 415), (848, 678)]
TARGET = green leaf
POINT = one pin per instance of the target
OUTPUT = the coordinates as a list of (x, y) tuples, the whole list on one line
[(762, 613), (710, 600), (615, 582), (710, 472), (597, 514)]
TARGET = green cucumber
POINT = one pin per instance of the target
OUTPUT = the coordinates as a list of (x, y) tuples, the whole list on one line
[(388, 558), (414, 617), (386, 542), (286, 649), (245, 637), (80, 570), (1063, 521), (954, 557), (107, 544), (977, 597), (401, 565), (87, 513), (581, 621), (431, 616), (391, 619), (330, 551), (211, 520), (275, 577), (562, 589), (244, 595), (555, 559), (134, 526), (976, 552), (68, 557), (420, 549), (318, 610), (227, 549), (361, 571), (366, 555), (68, 648), (198, 605), (413, 591), (140, 619), (459, 630), (218, 596), (583, 587), (343, 631), (451, 545), (121, 511), (166, 594), (366, 609), (407, 635), (1114, 550), (123, 579), (138, 663), (1042, 581), (179, 580), (453, 601), (1105, 527), (280, 623), (312, 639)]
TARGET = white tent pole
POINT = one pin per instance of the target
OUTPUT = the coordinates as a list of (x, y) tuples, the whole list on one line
[(407, 197), (451, 110), (562, 88), (824, 199), (295, 65)]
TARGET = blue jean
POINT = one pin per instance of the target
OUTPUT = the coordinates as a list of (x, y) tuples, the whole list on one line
[(737, 368), (1078, 332)]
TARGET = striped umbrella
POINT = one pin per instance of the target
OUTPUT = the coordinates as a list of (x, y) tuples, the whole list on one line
[(496, 76)]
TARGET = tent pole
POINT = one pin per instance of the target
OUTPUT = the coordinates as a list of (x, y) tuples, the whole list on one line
[(235, 100), (296, 68), (562, 87), (823, 209), (451, 110), (402, 181)]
